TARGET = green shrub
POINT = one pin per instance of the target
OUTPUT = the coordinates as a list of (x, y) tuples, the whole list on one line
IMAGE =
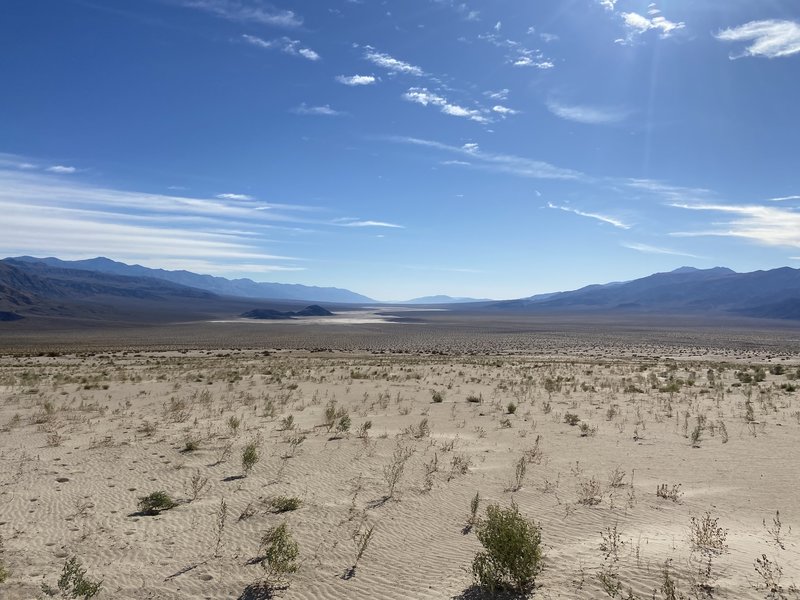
[(279, 552), (281, 504), (511, 408), (155, 502), (73, 582), (571, 419), (513, 555), (437, 397), (249, 457), (4, 572)]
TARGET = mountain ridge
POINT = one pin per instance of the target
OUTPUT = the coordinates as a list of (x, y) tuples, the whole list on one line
[(243, 288)]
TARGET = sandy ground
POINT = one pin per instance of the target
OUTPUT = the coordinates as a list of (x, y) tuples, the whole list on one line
[(84, 436)]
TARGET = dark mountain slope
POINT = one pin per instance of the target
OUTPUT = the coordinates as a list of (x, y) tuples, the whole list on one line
[(245, 288)]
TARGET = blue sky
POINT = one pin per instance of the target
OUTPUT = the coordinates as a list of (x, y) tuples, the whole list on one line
[(407, 147)]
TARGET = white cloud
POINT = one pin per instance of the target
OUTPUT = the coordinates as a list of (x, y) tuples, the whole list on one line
[(284, 44), (392, 64), (766, 225), (498, 95), (234, 197), (356, 80), (60, 169), (517, 55), (608, 4), (647, 249), (425, 97), (498, 163), (784, 198), (322, 111), (47, 215), (250, 11), (504, 110), (771, 38), (527, 61), (603, 218), (671, 193), (359, 223), (638, 24), (592, 115)]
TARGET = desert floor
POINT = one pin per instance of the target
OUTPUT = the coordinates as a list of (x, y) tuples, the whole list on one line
[(84, 435)]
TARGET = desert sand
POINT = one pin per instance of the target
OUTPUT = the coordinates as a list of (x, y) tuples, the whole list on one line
[(86, 434)]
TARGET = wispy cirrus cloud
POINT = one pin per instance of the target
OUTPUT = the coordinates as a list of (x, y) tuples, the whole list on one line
[(784, 199), (284, 44), (425, 97), (229, 196), (648, 249), (517, 54), (597, 216), (356, 80), (316, 111), (391, 64), (62, 169), (74, 219), (474, 157), (46, 213), (669, 192), (766, 225), (770, 38), (354, 222), (248, 11), (591, 115)]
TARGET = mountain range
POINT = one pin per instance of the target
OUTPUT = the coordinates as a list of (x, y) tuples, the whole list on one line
[(104, 290), (774, 294), (242, 288)]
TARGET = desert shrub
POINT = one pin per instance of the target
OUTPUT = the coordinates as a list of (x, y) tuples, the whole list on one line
[(4, 572), (73, 582), (474, 399), (512, 555), (474, 504), (249, 457), (280, 504), (511, 408), (279, 554), (190, 445), (437, 397), (571, 419), (155, 502), (673, 493), (363, 431), (590, 492), (343, 426), (707, 536)]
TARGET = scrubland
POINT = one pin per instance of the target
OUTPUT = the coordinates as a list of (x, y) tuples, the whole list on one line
[(296, 474)]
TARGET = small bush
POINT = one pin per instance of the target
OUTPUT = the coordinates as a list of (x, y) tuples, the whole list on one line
[(511, 408), (154, 503), (437, 397), (571, 419), (673, 493), (279, 554), (281, 504), (474, 399), (512, 555), (249, 457), (4, 572), (73, 582)]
